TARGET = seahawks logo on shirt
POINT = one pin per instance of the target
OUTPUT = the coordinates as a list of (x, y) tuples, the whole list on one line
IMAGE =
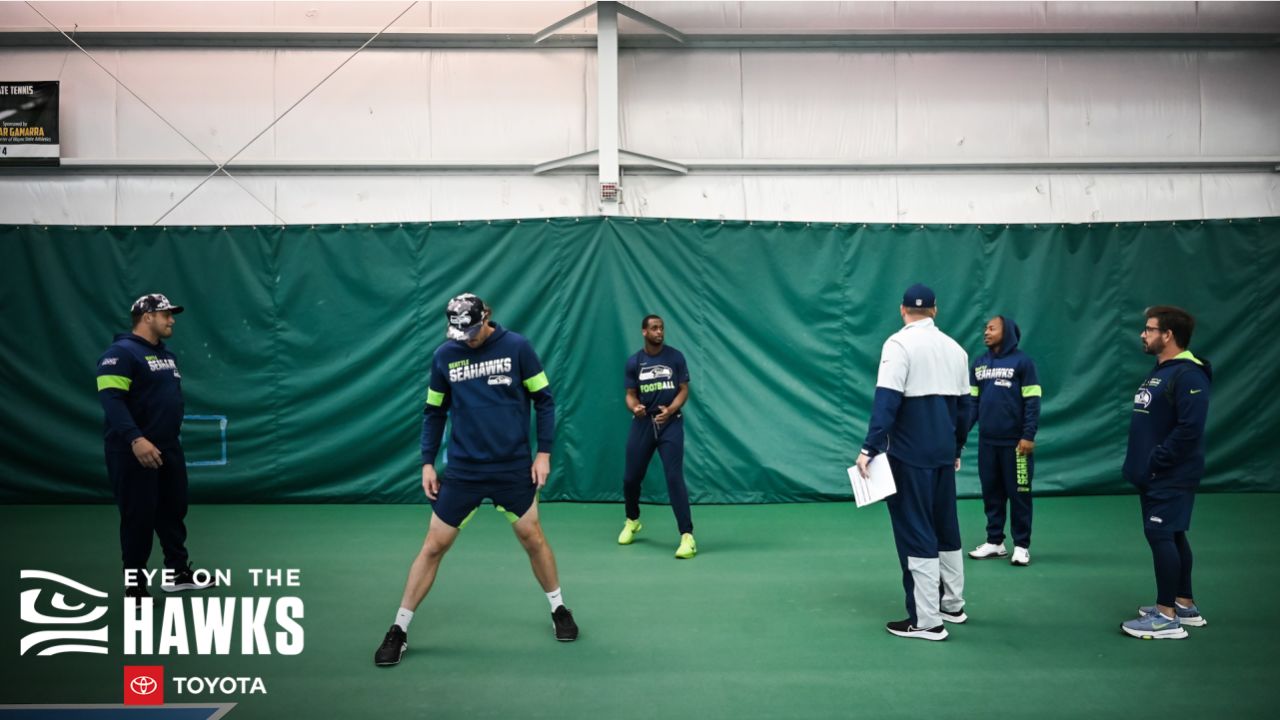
[(982, 372), (464, 370), (650, 373), (656, 377)]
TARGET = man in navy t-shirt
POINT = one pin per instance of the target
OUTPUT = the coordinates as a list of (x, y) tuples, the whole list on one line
[(657, 382)]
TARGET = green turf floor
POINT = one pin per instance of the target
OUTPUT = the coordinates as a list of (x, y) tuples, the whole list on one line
[(780, 615)]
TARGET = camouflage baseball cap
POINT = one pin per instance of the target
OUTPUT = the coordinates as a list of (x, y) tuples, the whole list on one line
[(465, 315), (155, 302)]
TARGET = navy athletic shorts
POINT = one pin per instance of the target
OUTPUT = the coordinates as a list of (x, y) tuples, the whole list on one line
[(461, 493), (1168, 509)]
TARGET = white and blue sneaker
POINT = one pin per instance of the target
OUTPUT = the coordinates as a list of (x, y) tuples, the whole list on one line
[(1189, 616), (1154, 627)]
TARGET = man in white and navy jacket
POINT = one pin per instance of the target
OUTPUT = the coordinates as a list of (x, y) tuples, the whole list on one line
[(919, 419)]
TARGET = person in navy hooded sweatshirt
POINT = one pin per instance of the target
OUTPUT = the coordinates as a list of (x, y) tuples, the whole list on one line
[(1165, 461), (1007, 392), (141, 393), (483, 380)]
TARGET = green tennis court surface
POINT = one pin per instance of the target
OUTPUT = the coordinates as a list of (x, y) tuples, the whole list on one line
[(780, 615)]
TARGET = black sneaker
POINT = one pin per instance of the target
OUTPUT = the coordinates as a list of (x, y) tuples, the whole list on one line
[(904, 628), (392, 647), (184, 579), (136, 591), (957, 618), (562, 621)]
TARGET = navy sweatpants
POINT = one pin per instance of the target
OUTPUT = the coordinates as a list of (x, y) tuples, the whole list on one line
[(1006, 477), (926, 531), (668, 440), (151, 502)]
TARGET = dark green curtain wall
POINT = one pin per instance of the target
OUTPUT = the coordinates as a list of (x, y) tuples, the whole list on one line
[(304, 350)]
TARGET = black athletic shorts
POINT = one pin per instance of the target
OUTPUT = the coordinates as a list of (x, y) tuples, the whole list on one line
[(1167, 509), (462, 493)]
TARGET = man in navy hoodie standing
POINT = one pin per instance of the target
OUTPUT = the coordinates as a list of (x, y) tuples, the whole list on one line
[(1007, 390), (483, 378), (1165, 461), (141, 394)]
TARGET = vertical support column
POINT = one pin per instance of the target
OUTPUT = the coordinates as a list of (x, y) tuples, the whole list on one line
[(607, 100)]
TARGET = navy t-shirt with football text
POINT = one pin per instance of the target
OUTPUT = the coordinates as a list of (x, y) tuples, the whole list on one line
[(656, 378)]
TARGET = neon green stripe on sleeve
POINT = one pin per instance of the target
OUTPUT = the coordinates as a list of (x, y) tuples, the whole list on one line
[(114, 382), (1031, 391), (536, 383), (434, 398), (973, 390)]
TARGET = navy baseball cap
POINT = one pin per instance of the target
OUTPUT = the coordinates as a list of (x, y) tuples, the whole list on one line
[(918, 296), (465, 314), (154, 302)]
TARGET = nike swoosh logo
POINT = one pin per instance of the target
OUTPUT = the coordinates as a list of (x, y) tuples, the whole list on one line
[(1193, 392)]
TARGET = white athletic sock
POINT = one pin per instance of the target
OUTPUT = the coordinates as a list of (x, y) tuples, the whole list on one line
[(556, 599), (403, 618)]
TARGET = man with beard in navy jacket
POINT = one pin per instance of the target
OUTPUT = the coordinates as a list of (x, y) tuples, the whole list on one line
[(141, 393), (1165, 461), (1007, 391)]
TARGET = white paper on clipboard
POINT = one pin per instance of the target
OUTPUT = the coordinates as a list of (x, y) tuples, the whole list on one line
[(875, 488)]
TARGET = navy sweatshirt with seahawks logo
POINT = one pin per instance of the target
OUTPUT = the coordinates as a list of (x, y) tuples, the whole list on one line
[(487, 392), (1166, 427), (141, 393), (1008, 391)]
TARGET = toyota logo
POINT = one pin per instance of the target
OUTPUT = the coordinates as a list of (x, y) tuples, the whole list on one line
[(143, 685)]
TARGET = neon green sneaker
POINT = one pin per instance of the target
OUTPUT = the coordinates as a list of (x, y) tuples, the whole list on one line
[(629, 530), (688, 547)]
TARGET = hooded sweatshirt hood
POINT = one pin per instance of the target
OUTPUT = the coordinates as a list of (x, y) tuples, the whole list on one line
[(1185, 357), (1012, 336)]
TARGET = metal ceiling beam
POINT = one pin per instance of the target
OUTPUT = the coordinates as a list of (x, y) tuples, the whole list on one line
[(632, 14), (632, 161), (608, 157), (15, 38), (562, 23), (585, 164)]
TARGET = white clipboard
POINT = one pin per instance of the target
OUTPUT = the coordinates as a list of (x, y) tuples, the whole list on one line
[(875, 488)]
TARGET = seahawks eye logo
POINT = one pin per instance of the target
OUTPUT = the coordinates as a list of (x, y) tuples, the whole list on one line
[(74, 615)]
